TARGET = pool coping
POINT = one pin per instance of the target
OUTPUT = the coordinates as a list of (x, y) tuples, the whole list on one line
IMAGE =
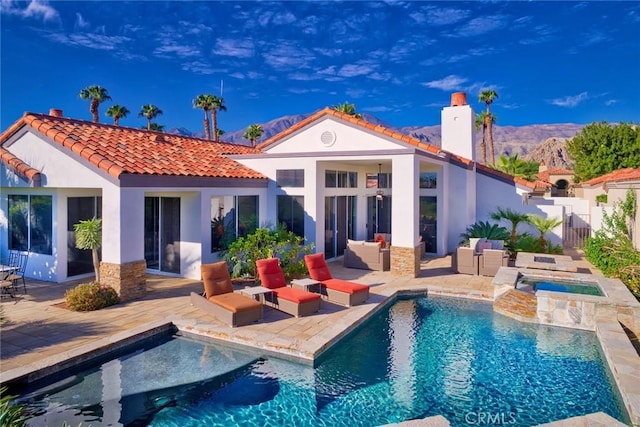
[(621, 357)]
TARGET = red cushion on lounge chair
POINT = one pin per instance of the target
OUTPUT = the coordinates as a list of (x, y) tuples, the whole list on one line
[(317, 266), (235, 302), (271, 275), (345, 286), (295, 295)]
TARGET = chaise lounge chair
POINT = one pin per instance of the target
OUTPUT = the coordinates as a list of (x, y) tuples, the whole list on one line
[(335, 290), (292, 301), (221, 302)]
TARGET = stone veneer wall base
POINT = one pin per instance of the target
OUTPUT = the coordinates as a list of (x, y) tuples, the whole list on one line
[(406, 261), (129, 279)]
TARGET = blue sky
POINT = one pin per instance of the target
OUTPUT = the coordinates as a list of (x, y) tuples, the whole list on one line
[(550, 62)]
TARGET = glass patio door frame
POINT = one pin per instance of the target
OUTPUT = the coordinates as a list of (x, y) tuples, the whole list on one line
[(162, 234), (339, 224)]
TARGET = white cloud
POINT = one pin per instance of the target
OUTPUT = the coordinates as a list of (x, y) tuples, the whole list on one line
[(480, 25), (81, 23), (445, 16), (286, 55), (353, 70), (570, 101), (91, 40), (37, 9), (198, 67), (610, 102), (233, 47), (451, 82), (170, 49)]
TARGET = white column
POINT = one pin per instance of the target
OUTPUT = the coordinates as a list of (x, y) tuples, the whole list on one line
[(405, 210), (122, 225)]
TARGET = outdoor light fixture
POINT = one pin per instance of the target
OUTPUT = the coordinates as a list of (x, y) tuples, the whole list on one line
[(379, 193)]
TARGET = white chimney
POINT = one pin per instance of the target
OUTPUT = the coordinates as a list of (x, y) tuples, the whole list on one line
[(458, 127)]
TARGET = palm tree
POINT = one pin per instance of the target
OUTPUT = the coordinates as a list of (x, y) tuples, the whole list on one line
[(97, 95), (89, 236), (512, 217), (117, 112), (517, 167), (156, 127), (487, 96), (149, 111), (481, 123), (217, 104), (543, 225), (219, 133), (347, 108), (206, 102), (253, 133)]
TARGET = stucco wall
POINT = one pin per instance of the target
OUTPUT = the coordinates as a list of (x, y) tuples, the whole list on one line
[(345, 138)]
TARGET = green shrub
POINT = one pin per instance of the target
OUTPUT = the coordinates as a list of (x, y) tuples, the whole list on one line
[(268, 243), (11, 414), (485, 229), (90, 296), (611, 250), (601, 198)]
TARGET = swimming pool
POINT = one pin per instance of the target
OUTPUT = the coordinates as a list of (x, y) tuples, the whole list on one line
[(558, 285), (420, 357)]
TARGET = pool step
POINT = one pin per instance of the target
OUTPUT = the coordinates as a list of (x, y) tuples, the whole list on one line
[(518, 305)]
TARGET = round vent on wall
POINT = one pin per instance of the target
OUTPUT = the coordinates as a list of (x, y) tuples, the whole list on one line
[(328, 138)]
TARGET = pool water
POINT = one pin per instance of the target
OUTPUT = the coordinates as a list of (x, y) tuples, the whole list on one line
[(420, 357), (554, 285)]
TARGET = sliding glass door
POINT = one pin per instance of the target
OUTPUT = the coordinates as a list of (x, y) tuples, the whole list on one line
[(162, 233), (339, 224), (378, 215), (80, 261)]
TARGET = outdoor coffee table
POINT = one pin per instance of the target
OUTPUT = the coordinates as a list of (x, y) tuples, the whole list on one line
[(258, 293), (308, 285)]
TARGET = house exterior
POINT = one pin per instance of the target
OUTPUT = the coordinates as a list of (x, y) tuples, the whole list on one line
[(167, 201), (615, 186), (556, 182)]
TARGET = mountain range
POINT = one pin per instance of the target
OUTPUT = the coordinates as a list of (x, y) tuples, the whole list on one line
[(540, 142)]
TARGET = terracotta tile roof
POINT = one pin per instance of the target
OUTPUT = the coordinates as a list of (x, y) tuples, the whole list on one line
[(628, 174), (546, 175), (123, 150), (20, 167)]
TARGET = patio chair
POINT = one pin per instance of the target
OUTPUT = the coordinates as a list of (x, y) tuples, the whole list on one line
[(491, 260), (18, 260), (220, 301), (290, 300), (338, 291), (465, 261)]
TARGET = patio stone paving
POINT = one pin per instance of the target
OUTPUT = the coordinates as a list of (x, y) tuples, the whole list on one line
[(38, 332)]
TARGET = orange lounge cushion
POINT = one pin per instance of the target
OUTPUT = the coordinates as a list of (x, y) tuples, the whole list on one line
[(345, 286), (235, 303), (295, 295)]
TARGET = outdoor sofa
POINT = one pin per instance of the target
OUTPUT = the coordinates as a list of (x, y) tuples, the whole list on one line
[(366, 256)]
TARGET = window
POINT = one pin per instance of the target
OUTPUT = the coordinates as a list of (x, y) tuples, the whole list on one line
[(340, 179), (31, 223), (291, 213), (290, 177), (429, 222), (378, 180), (232, 217), (428, 180)]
